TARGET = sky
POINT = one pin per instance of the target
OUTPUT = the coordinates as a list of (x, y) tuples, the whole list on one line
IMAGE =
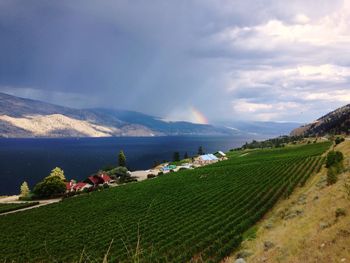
[(203, 61)]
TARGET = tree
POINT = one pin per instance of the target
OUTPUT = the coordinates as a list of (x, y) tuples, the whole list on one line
[(176, 156), (200, 150), (58, 172), (51, 186), (24, 189), (185, 155), (122, 159)]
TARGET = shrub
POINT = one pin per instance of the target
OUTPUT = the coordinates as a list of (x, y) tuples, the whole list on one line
[(332, 176), (150, 176), (334, 157), (338, 140), (119, 171), (347, 188), (340, 212), (160, 173)]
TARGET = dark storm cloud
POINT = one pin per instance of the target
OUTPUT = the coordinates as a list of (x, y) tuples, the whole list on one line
[(161, 57)]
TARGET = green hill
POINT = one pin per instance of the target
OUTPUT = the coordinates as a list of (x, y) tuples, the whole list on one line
[(195, 214)]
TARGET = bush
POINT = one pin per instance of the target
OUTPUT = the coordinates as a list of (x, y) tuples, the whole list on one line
[(340, 212), (150, 176), (160, 173), (339, 140), (334, 157), (332, 176), (119, 171)]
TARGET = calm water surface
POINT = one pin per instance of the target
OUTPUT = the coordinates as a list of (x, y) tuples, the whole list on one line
[(32, 159)]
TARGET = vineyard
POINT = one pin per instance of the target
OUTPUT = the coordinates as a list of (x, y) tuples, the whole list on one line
[(194, 215)]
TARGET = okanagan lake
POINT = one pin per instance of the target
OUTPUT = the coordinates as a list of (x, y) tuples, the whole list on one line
[(32, 159)]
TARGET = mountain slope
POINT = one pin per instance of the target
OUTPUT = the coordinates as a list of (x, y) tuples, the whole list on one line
[(21, 117), (335, 122)]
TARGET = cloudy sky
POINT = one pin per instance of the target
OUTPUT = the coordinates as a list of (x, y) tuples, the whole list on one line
[(224, 59)]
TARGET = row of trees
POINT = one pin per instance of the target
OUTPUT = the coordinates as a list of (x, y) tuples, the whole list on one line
[(51, 186), (176, 155)]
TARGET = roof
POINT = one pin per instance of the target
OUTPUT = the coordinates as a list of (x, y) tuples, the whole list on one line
[(80, 185), (208, 157), (106, 178), (221, 153), (69, 185), (94, 179)]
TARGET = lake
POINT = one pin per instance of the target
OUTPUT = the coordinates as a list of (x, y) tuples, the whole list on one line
[(32, 159)]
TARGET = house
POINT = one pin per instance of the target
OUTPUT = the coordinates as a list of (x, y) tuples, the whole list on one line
[(69, 186), (106, 179), (98, 179), (94, 180), (220, 154), (73, 186), (81, 186)]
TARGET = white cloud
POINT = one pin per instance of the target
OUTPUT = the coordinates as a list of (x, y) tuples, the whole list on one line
[(332, 29)]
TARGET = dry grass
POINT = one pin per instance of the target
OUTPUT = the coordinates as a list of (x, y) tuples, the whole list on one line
[(315, 234)]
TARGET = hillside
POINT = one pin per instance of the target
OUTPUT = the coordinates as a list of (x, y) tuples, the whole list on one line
[(335, 122), (197, 215), (21, 117), (304, 227)]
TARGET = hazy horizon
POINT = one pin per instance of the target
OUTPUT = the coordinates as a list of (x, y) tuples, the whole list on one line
[(199, 61)]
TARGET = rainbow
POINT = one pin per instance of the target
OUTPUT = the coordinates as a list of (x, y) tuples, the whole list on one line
[(198, 116)]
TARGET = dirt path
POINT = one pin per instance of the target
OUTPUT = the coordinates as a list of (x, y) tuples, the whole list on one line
[(14, 199)]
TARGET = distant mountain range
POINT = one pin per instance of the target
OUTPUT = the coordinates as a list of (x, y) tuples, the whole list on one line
[(335, 122), (20, 117)]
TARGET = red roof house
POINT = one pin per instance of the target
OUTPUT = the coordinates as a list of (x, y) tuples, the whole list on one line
[(69, 186), (81, 186), (105, 178)]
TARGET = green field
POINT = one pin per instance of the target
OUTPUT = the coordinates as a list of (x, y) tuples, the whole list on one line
[(4, 207), (196, 215)]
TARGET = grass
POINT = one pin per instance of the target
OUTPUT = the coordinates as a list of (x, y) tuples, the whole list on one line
[(197, 215), (8, 207)]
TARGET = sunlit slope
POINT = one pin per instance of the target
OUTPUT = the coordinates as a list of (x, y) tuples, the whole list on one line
[(197, 214)]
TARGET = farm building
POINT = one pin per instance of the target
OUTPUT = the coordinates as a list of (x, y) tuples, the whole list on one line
[(81, 186), (73, 186), (206, 159), (220, 154), (98, 179)]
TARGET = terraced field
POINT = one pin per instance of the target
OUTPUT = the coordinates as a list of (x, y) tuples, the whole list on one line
[(196, 215)]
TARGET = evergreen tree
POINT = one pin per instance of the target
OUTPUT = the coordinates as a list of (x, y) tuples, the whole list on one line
[(176, 157), (24, 189), (185, 155), (200, 150), (122, 159)]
